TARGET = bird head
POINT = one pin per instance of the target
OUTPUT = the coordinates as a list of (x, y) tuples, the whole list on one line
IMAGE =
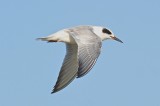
[(105, 34), (109, 35)]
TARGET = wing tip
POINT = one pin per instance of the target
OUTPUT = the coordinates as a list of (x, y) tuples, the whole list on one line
[(54, 90)]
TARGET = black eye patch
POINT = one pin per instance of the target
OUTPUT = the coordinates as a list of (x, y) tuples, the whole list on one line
[(104, 30)]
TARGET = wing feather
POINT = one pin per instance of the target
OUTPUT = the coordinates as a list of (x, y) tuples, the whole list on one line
[(69, 68), (80, 57), (89, 46)]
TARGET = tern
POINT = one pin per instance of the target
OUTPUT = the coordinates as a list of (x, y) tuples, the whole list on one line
[(83, 46)]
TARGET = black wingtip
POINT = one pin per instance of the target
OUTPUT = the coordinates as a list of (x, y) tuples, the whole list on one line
[(53, 91)]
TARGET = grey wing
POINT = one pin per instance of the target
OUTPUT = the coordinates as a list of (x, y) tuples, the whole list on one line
[(89, 46), (87, 56), (69, 68)]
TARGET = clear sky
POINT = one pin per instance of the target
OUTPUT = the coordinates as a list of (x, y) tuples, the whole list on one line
[(125, 74)]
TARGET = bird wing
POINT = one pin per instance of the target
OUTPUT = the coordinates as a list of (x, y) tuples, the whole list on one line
[(69, 68), (89, 46)]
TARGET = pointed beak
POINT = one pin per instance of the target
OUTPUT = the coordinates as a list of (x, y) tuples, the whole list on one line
[(117, 39)]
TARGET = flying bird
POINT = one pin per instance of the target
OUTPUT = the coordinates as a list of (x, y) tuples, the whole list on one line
[(83, 46)]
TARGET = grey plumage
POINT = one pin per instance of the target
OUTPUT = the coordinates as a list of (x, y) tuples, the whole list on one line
[(80, 57)]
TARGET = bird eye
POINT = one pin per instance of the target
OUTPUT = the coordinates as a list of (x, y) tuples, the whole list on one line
[(104, 30)]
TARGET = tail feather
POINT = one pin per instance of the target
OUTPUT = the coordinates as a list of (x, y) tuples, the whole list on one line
[(48, 39), (42, 38)]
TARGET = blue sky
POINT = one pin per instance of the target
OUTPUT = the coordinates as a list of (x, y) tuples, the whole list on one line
[(125, 74)]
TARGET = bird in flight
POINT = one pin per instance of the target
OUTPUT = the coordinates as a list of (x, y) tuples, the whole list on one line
[(83, 46)]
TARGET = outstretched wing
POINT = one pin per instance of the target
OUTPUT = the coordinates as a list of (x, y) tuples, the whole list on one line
[(87, 56), (89, 46), (69, 68)]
